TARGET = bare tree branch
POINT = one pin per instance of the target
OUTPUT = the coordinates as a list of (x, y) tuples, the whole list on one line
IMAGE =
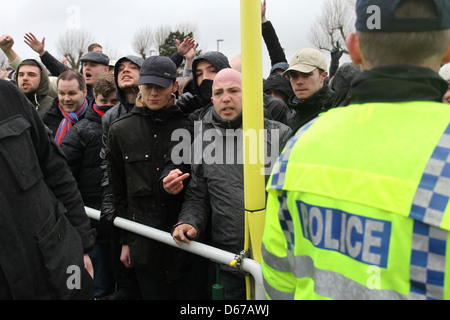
[(73, 45), (333, 25), (143, 41), (160, 35)]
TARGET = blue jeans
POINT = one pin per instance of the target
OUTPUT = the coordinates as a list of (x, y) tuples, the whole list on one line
[(103, 276)]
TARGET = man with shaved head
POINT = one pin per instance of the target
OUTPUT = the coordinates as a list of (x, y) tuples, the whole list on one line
[(215, 192), (227, 94)]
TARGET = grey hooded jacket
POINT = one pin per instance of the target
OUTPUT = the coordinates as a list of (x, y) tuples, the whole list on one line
[(42, 99), (214, 199)]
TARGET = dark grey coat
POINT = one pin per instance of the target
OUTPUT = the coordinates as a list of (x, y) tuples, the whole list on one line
[(215, 195), (44, 227)]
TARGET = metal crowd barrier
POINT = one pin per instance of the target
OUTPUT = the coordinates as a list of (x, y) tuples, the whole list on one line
[(245, 264)]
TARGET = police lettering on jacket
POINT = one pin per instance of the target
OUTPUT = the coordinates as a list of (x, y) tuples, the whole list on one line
[(361, 238)]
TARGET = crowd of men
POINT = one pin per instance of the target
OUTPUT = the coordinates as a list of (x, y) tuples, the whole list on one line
[(102, 137)]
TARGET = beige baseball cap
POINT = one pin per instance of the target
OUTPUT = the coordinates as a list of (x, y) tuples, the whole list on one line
[(306, 60)]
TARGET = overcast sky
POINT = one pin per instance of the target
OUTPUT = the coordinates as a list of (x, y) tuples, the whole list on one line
[(113, 23)]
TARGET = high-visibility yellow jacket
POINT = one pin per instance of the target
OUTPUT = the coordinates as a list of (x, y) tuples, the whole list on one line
[(358, 206)]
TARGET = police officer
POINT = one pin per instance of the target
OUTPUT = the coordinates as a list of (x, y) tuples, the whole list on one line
[(358, 203)]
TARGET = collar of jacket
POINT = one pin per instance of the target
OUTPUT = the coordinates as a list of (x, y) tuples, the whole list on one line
[(398, 83), (320, 100), (235, 123), (158, 114)]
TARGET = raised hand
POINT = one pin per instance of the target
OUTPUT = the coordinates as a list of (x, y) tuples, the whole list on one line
[(34, 43), (6, 42), (184, 47)]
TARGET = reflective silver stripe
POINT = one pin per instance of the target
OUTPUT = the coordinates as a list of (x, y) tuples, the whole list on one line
[(342, 288), (275, 294)]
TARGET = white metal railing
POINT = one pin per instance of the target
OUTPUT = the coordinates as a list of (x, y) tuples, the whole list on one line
[(247, 265)]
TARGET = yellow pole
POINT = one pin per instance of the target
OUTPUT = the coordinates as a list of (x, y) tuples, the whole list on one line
[(253, 123)]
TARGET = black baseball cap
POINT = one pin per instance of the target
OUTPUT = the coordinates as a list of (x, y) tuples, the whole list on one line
[(158, 70), (96, 57), (378, 16)]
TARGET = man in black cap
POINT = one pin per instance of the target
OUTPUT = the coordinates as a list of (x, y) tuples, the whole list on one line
[(126, 73), (358, 204), (138, 144)]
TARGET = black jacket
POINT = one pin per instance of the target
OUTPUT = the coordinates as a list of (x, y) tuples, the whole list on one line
[(120, 110), (275, 109), (82, 145), (108, 212), (138, 143), (397, 83), (52, 64), (276, 52), (45, 229)]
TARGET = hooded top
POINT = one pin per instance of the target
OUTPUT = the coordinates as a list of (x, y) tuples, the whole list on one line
[(41, 99), (116, 112), (120, 94), (217, 59), (280, 84), (123, 107), (204, 91)]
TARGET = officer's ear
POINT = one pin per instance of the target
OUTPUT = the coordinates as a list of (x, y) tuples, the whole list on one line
[(354, 48)]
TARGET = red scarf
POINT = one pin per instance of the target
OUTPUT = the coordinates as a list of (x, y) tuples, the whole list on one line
[(69, 120), (99, 110)]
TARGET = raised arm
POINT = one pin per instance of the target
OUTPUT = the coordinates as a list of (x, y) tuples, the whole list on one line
[(51, 63)]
